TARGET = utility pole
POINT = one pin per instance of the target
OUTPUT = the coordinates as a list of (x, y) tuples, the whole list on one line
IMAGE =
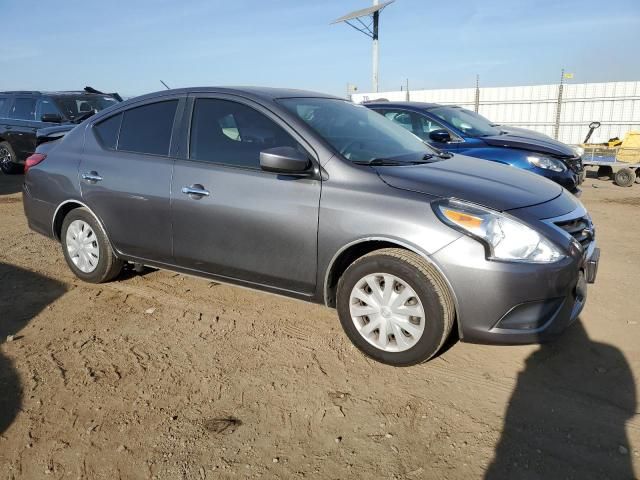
[(407, 91), (375, 53), (477, 102), (371, 29), (556, 127)]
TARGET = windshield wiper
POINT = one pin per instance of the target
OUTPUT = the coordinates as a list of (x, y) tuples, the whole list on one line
[(387, 162)]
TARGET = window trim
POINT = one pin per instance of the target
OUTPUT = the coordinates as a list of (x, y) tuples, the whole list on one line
[(261, 109)]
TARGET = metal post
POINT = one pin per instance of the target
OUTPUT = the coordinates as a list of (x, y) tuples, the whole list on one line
[(477, 93), (407, 90), (556, 128), (376, 16)]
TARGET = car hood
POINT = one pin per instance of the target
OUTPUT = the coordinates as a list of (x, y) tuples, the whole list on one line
[(483, 182), (530, 141)]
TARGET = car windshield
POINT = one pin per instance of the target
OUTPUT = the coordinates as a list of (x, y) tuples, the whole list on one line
[(75, 106), (470, 123), (358, 133)]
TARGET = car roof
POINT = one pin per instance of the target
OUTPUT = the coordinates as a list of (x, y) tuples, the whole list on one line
[(264, 93), (415, 105)]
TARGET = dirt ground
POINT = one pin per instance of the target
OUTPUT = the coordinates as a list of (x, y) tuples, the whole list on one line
[(159, 375)]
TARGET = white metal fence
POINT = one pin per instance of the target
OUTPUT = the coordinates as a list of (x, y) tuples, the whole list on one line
[(615, 104)]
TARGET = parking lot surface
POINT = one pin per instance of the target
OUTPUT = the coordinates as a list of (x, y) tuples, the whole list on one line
[(159, 375)]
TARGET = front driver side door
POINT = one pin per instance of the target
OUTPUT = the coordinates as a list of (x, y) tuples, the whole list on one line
[(247, 224)]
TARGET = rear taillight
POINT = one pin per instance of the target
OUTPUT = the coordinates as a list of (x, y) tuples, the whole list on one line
[(33, 160)]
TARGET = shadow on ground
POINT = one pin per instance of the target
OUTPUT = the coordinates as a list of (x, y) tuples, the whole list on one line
[(566, 417), (10, 184), (23, 294)]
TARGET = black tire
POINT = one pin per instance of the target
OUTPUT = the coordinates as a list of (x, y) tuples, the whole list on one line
[(8, 157), (431, 289), (605, 172), (625, 177), (582, 176), (108, 265)]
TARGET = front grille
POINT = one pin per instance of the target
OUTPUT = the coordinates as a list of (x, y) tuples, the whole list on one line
[(575, 164), (579, 228)]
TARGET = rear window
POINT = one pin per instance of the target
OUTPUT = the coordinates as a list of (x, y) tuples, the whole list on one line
[(147, 129), (107, 131)]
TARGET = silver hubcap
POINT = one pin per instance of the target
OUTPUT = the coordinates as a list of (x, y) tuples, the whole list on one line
[(82, 246), (5, 157), (387, 312)]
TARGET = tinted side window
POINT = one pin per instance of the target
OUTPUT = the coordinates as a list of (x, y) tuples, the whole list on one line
[(147, 129), (23, 109), (3, 104), (401, 118), (46, 106), (231, 133), (107, 131)]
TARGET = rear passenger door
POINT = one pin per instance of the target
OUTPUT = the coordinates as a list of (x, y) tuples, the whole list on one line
[(125, 176), (21, 125), (248, 224)]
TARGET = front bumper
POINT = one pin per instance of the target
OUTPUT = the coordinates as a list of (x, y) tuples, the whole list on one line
[(569, 179), (514, 303)]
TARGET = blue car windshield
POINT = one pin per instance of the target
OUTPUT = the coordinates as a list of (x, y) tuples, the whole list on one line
[(358, 133), (469, 123)]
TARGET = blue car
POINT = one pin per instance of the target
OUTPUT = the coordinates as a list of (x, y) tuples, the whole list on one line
[(458, 130)]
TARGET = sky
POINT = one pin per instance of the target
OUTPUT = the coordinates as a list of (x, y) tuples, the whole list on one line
[(128, 46)]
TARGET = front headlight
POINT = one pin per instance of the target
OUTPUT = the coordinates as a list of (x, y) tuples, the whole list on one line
[(579, 151), (547, 163), (504, 237)]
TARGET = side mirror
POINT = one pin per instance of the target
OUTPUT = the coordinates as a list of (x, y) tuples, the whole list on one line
[(51, 118), (285, 160), (440, 136)]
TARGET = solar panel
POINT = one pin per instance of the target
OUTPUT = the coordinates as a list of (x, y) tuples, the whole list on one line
[(363, 12)]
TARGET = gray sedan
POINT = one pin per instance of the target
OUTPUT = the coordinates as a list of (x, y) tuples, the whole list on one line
[(312, 197)]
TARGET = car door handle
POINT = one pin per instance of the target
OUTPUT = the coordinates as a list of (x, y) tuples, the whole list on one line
[(196, 191), (92, 177)]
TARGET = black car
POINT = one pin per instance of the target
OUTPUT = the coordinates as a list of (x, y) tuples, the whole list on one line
[(23, 113)]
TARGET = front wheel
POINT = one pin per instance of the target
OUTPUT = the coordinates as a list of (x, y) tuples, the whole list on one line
[(395, 307), (86, 248)]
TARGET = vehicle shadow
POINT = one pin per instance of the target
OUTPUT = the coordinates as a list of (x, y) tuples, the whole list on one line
[(10, 184), (566, 417), (23, 295)]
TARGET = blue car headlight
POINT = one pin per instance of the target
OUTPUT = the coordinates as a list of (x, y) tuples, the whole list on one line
[(548, 163)]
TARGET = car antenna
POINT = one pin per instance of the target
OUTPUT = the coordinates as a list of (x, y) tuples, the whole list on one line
[(165, 85)]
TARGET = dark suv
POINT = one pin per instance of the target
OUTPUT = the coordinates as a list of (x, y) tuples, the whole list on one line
[(23, 113)]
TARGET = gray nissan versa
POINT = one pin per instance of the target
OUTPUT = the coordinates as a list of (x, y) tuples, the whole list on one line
[(312, 197)]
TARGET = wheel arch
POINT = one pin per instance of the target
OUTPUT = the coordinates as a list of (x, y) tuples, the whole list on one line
[(350, 252), (63, 210)]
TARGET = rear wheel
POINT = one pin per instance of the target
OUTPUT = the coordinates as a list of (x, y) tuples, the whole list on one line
[(8, 159), (637, 175), (624, 177), (86, 248), (395, 307)]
